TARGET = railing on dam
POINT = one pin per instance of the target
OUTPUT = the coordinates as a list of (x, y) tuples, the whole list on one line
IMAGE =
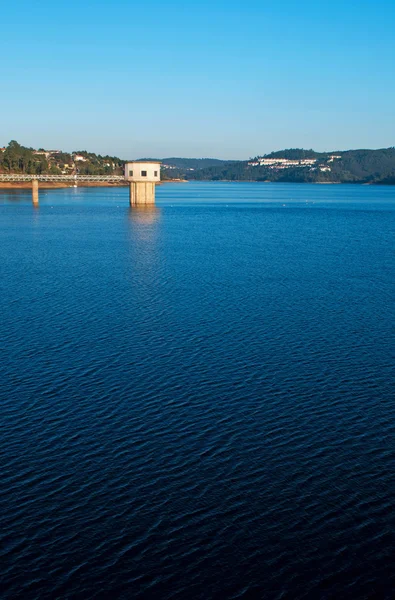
[(60, 178)]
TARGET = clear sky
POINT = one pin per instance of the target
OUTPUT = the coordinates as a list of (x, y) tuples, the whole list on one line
[(220, 79)]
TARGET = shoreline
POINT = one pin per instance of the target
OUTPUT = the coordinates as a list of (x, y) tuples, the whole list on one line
[(26, 185)]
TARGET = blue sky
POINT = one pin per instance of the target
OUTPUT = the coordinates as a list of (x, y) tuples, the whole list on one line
[(223, 79)]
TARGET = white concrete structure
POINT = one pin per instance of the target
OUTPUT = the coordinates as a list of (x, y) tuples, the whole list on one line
[(142, 177), (142, 171)]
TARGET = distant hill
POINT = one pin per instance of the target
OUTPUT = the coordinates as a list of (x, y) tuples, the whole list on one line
[(366, 166), (195, 163), (298, 165), (295, 154), (179, 168)]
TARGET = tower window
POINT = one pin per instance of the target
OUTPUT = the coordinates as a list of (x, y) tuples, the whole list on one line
[(130, 173), (155, 173), (143, 173)]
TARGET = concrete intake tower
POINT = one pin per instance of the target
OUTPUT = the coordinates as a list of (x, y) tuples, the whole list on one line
[(142, 176)]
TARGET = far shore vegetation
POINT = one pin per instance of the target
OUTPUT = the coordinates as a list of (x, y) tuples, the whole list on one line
[(291, 165)]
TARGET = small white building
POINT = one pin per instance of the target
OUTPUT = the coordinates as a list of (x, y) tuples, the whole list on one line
[(142, 176), (142, 171)]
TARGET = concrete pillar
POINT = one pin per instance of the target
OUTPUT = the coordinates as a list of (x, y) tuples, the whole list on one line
[(35, 191), (141, 193), (131, 194)]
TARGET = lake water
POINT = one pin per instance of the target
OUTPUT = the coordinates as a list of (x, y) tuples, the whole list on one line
[(198, 401)]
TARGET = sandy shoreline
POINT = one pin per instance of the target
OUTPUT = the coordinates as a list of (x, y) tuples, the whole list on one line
[(56, 184)]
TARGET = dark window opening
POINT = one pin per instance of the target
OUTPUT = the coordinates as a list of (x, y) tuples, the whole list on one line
[(130, 173), (155, 173), (143, 173)]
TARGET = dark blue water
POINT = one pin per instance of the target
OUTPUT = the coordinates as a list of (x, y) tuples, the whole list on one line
[(198, 402)]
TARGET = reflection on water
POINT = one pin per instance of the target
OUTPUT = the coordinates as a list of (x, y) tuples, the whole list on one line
[(144, 214), (143, 223), (15, 196), (143, 233)]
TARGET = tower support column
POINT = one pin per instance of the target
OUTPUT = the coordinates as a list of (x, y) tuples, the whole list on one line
[(35, 191), (141, 193)]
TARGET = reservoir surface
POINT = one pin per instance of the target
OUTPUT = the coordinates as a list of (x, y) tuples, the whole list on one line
[(198, 401)]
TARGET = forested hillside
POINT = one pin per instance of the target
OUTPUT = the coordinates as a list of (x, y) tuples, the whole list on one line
[(295, 165), (15, 158)]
